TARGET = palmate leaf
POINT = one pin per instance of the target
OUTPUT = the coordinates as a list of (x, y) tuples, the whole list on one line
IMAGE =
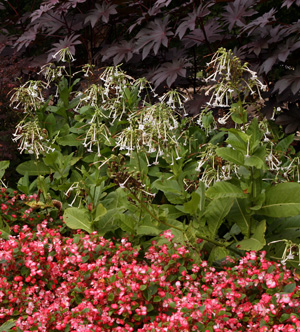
[(39, 12), (152, 37), (189, 22), (169, 71), (236, 11), (68, 42), (27, 37), (102, 11), (213, 33), (123, 50), (288, 3), (261, 22), (291, 81)]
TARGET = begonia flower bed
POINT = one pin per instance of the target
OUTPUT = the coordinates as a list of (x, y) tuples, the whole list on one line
[(49, 282)]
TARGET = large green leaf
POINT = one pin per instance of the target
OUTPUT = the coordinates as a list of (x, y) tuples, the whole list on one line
[(5, 327), (191, 206), (225, 189), (148, 229), (4, 228), (254, 161), (78, 218), (33, 168), (231, 155), (285, 143), (174, 192), (257, 240), (238, 214), (282, 200), (127, 223), (215, 213), (110, 221), (99, 212), (69, 140)]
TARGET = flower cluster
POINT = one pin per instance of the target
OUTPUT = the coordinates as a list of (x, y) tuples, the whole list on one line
[(233, 80), (49, 282), (151, 130)]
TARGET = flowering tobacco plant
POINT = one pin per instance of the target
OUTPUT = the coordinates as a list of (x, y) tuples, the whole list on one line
[(49, 282)]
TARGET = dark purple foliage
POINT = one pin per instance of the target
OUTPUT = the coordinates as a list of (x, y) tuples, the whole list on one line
[(141, 34)]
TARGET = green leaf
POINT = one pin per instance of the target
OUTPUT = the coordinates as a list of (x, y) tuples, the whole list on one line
[(257, 241), (285, 143), (282, 200), (5, 327), (218, 254), (4, 164), (215, 213), (78, 218), (127, 224), (148, 230), (100, 212), (33, 168), (231, 155), (69, 140), (4, 228), (50, 124), (191, 207), (254, 161), (238, 214), (174, 192), (225, 189), (110, 221), (289, 288)]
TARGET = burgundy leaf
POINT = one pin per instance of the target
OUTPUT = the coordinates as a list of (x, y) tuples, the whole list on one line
[(268, 64), (120, 51), (261, 21), (75, 2), (152, 37), (102, 11), (189, 22), (50, 21), (169, 71), (39, 12), (291, 81), (288, 3), (26, 38), (236, 11), (295, 27), (197, 37), (162, 3), (68, 42)]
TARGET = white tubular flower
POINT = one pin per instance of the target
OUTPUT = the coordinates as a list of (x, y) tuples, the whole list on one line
[(29, 96), (29, 135)]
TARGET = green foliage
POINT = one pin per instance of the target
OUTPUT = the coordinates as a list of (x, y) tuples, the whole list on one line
[(116, 162)]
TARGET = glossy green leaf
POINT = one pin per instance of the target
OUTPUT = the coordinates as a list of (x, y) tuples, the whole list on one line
[(215, 213), (225, 189), (238, 214), (282, 200), (69, 140), (5, 327), (100, 212), (33, 168), (257, 240), (78, 218), (4, 228), (191, 206), (231, 155)]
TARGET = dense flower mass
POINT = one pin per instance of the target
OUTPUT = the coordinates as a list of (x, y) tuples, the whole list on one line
[(49, 282)]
